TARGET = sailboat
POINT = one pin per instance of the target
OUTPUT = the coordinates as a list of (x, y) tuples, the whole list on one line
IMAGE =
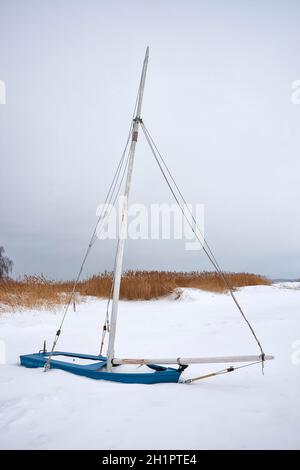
[(107, 367)]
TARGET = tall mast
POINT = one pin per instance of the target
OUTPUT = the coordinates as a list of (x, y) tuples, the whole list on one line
[(123, 227)]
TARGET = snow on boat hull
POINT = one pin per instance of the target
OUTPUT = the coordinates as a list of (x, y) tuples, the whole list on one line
[(94, 370)]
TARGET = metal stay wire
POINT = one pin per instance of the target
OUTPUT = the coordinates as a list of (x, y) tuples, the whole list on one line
[(202, 240)]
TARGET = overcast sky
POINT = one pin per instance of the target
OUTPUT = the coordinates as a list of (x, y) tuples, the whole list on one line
[(217, 101)]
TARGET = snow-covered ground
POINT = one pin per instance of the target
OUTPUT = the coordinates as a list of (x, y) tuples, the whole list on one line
[(241, 410)]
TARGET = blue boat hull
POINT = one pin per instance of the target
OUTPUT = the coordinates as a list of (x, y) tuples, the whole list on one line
[(97, 370)]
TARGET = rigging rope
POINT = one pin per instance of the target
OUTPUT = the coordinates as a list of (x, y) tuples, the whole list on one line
[(206, 248)]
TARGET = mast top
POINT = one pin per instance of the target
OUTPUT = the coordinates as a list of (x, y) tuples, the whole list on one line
[(142, 84)]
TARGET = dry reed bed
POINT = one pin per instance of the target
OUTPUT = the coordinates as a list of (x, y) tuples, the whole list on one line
[(37, 292)]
